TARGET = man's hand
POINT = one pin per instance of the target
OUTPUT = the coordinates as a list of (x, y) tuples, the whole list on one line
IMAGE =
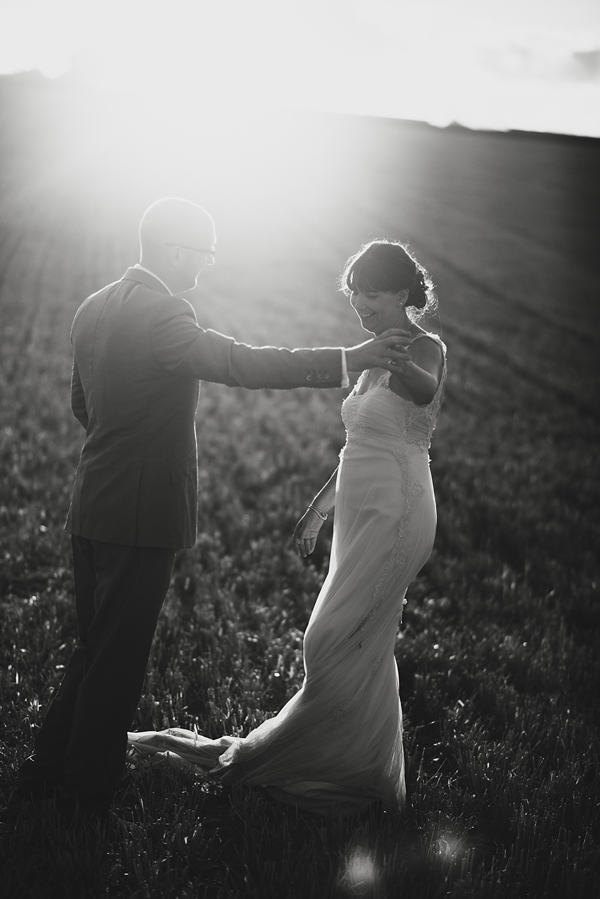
[(388, 351)]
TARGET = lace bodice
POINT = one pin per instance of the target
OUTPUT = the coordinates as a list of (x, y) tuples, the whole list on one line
[(381, 414)]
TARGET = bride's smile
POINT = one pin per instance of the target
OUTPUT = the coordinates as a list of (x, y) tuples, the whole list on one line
[(380, 310)]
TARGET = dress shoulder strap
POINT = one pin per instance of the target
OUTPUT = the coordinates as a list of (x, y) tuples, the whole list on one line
[(383, 380), (435, 337), (361, 380)]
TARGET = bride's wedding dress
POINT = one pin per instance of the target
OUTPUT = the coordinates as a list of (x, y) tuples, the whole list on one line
[(338, 741)]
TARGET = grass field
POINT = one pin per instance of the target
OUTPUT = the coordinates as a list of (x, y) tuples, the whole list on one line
[(499, 652)]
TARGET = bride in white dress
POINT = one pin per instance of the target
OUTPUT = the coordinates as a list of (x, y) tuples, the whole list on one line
[(337, 744)]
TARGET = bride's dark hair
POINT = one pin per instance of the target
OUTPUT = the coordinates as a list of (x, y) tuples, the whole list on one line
[(387, 265)]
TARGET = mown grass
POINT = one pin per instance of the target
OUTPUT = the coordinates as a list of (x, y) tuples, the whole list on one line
[(499, 648)]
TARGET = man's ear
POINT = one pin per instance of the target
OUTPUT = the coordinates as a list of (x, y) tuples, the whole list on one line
[(403, 296), (174, 255)]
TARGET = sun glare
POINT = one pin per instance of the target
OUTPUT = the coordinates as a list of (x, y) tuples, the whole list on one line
[(484, 65), (244, 156)]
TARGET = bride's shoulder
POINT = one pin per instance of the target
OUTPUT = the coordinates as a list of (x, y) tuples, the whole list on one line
[(432, 347)]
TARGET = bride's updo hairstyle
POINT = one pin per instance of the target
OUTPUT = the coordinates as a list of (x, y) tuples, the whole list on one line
[(386, 265)]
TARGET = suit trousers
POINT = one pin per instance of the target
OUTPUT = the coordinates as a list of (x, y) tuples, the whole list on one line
[(82, 744)]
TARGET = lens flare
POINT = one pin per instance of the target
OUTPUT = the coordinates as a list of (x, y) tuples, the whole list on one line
[(360, 875), (452, 850), (448, 847)]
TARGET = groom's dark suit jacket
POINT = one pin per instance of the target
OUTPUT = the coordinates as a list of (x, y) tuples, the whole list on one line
[(138, 357)]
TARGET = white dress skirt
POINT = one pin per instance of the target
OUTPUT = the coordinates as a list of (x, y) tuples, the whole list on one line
[(337, 744)]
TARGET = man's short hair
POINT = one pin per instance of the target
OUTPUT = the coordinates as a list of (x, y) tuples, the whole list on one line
[(177, 221)]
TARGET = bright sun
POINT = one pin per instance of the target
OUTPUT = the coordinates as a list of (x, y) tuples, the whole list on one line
[(530, 64)]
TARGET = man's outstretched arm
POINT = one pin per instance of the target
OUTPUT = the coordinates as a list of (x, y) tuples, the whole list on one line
[(182, 347)]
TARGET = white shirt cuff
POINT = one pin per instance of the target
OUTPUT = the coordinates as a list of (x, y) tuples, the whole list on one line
[(345, 378)]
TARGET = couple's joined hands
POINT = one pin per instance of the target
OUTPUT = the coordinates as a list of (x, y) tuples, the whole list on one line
[(388, 350)]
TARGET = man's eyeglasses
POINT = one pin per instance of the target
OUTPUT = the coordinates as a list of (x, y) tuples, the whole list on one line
[(210, 254)]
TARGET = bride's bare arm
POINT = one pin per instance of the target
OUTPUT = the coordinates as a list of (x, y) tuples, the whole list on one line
[(421, 375), (307, 530)]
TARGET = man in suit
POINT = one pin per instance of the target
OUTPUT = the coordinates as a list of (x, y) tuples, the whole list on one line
[(139, 355)]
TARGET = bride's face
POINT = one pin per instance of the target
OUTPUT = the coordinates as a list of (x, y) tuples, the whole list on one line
[(380, 310)]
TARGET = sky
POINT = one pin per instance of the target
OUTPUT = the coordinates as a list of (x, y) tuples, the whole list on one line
[(499, 64)]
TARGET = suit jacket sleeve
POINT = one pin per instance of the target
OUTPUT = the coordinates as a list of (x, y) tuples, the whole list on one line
[(77, 397), (182, 347)]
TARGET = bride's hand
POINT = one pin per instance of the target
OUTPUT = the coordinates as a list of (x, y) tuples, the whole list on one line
[(305, 534), (389, 350)]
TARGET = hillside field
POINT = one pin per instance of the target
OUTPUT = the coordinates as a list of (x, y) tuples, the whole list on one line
[(499, 650)]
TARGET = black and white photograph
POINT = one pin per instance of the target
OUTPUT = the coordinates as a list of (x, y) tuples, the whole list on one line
[(299, 449)]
